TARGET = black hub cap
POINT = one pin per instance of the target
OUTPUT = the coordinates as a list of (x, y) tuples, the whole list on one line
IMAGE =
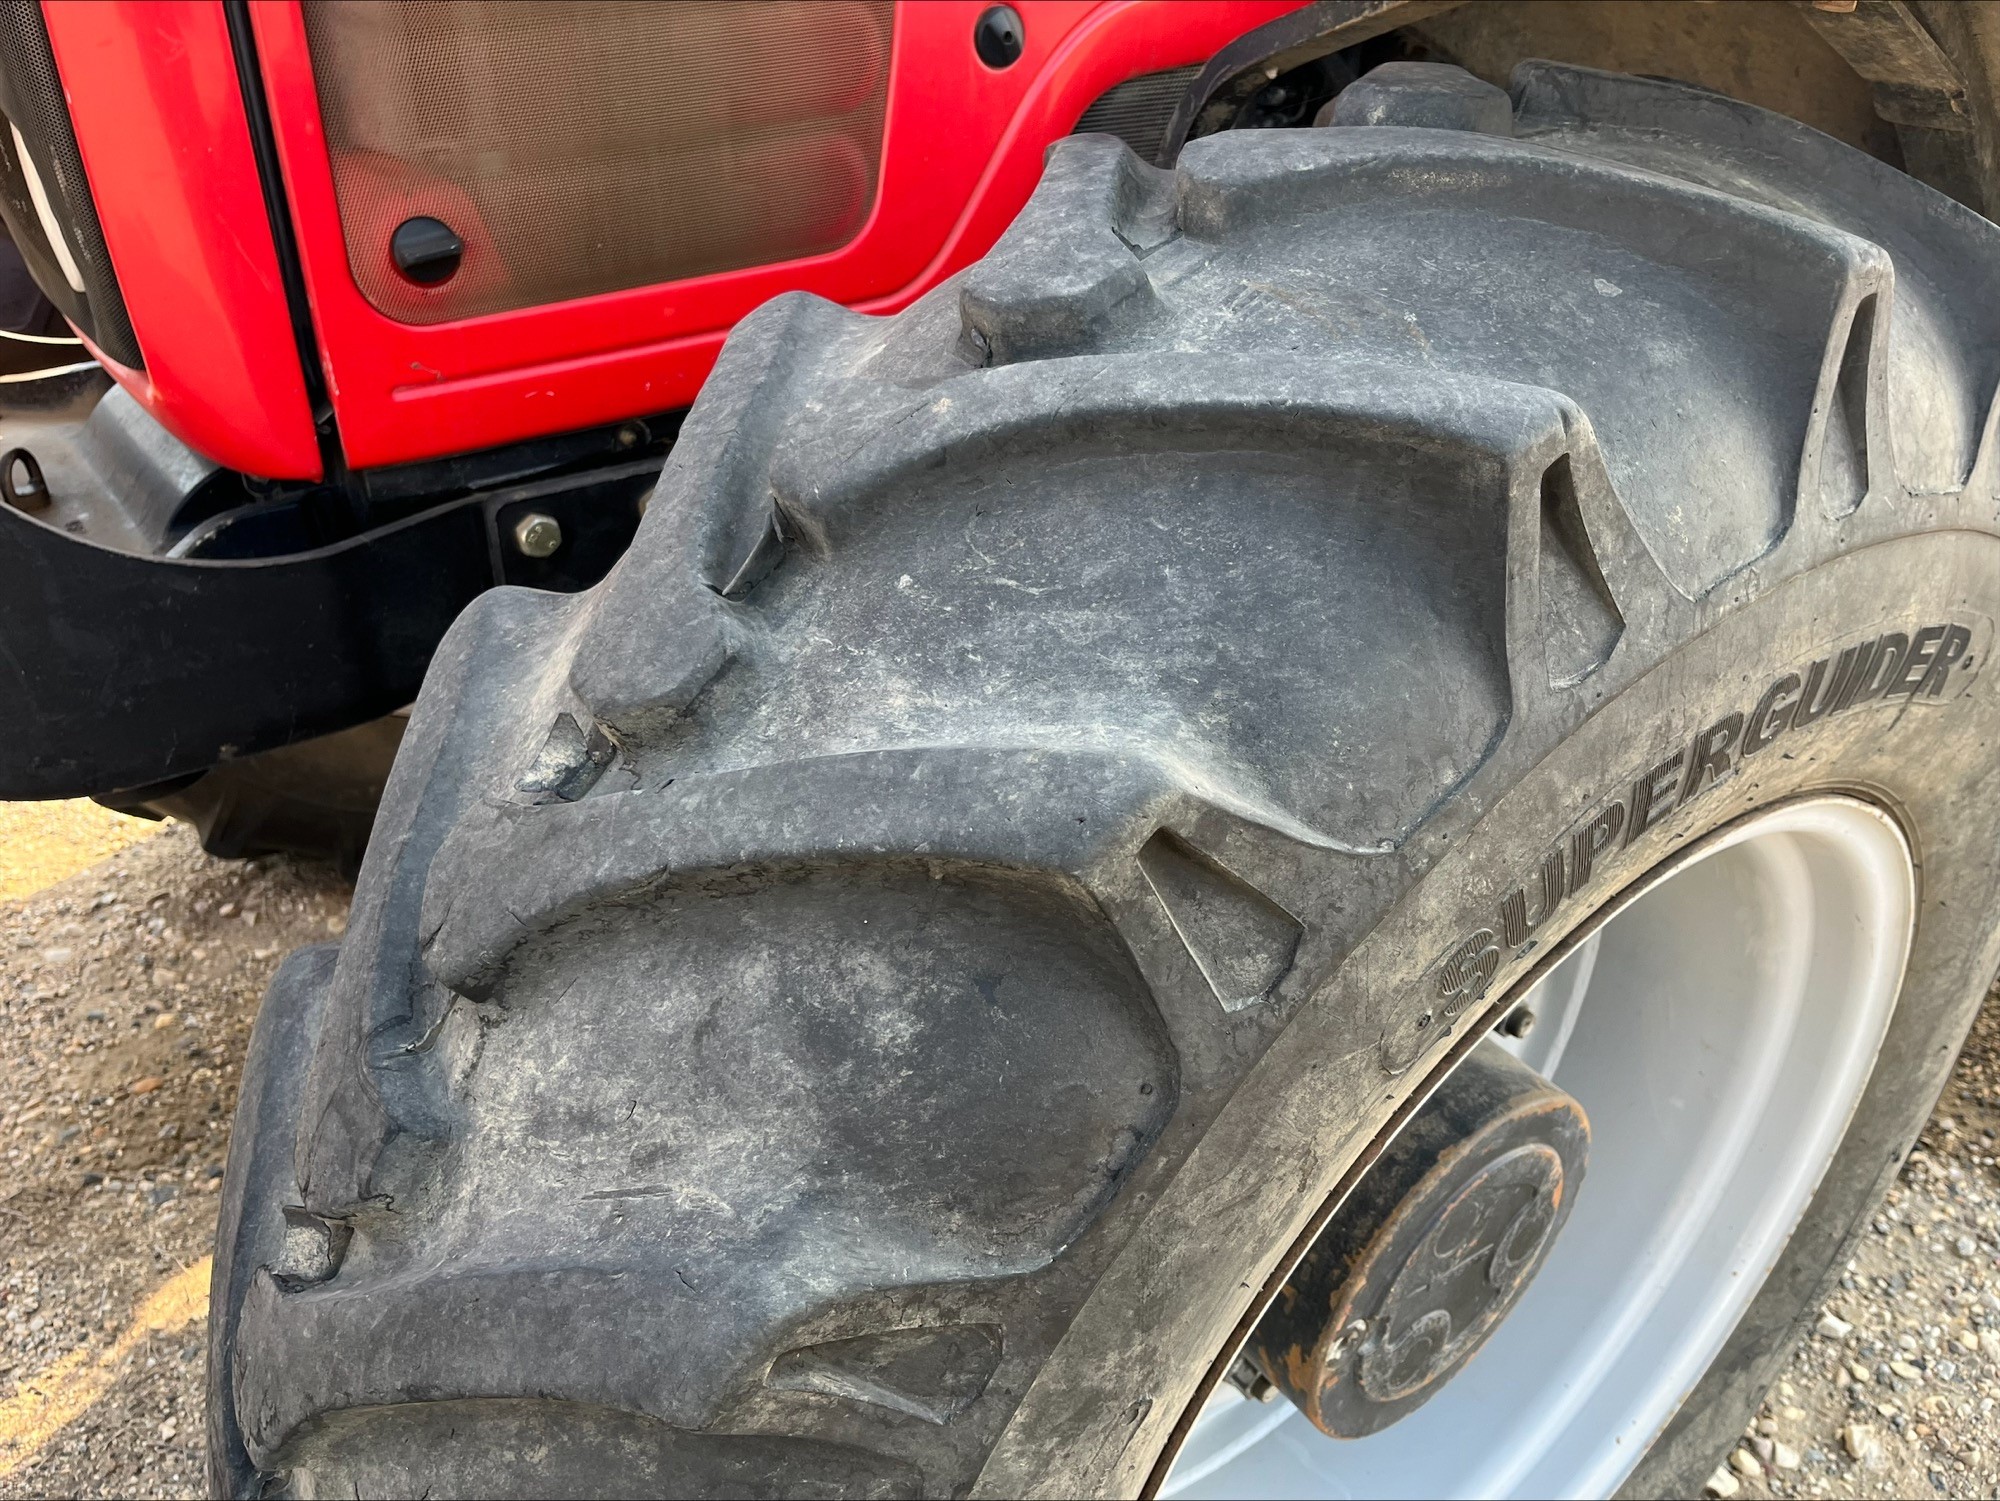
[(1436, 1243)]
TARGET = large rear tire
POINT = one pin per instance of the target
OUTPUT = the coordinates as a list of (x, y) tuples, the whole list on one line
[(865, 1000)]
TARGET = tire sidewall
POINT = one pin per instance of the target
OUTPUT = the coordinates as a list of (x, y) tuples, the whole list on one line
[(257, 1183), (1102, 1406)]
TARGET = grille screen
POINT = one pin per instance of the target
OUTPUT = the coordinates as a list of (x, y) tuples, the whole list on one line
[(39, 159), (1138, 110), (592, 146)]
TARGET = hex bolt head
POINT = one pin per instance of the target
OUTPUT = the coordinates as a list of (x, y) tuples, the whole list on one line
[(1347, 1339), (538, 536)]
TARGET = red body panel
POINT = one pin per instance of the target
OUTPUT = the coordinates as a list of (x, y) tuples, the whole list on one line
[(162, 131), (159, 120)]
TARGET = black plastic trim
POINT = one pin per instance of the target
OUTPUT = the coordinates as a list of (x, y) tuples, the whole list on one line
[(121, 670)]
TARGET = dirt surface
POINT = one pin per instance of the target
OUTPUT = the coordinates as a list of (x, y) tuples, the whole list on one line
[(40, 843), (126, 996), (1898, 1392)]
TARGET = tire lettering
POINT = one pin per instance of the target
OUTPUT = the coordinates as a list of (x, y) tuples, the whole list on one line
[(1769, 720), (1708, 757), (1891, 665), (1956, 640), (1816, 698), (1859, 673), (1514, 919), (1652, 796), (1887, 668), (1917, 665), (1592, 840), (1466, 973)]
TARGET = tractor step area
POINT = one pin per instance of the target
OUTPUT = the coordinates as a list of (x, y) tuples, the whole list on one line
[(165, 616)]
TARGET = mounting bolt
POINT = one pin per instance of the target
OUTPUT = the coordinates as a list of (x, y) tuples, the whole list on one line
[(1347, 1339), (538, 536), (630, 434), (1518, 1023), (1253, 1383)]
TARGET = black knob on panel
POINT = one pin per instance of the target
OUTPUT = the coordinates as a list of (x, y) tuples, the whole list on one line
[(426, 250), (999, 37)]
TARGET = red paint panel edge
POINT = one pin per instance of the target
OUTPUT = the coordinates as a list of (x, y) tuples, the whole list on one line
[(160, 124), (963, 147)]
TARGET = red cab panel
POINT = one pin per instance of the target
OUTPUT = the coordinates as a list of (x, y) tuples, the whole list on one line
[(961, 149), (894, 184), (159, 120)]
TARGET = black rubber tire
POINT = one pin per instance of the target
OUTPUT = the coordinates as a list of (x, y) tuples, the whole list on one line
[(259, 1174), (858, 1002), (316, 798)]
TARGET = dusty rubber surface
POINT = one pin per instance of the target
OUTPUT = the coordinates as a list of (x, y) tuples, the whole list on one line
[(103, 1398), (126, 995)]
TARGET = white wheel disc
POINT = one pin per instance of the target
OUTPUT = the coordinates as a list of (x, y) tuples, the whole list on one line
[(1719, 1026)]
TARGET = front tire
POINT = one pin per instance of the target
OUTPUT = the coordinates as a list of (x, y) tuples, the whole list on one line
[(865, 1000)]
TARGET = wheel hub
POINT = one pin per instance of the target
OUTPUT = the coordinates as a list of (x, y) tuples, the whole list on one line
[(1719, 1021), (1438, 1242)]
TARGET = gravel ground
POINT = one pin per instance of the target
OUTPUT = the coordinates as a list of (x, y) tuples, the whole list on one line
[(1897, 1393), (126, 996)]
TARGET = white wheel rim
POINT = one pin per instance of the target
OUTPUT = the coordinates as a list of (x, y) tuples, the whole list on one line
[(1719, 1027)]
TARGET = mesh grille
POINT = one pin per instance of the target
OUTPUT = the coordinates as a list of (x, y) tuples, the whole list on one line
[(1137, 110), (589, 147), (32, 104)]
